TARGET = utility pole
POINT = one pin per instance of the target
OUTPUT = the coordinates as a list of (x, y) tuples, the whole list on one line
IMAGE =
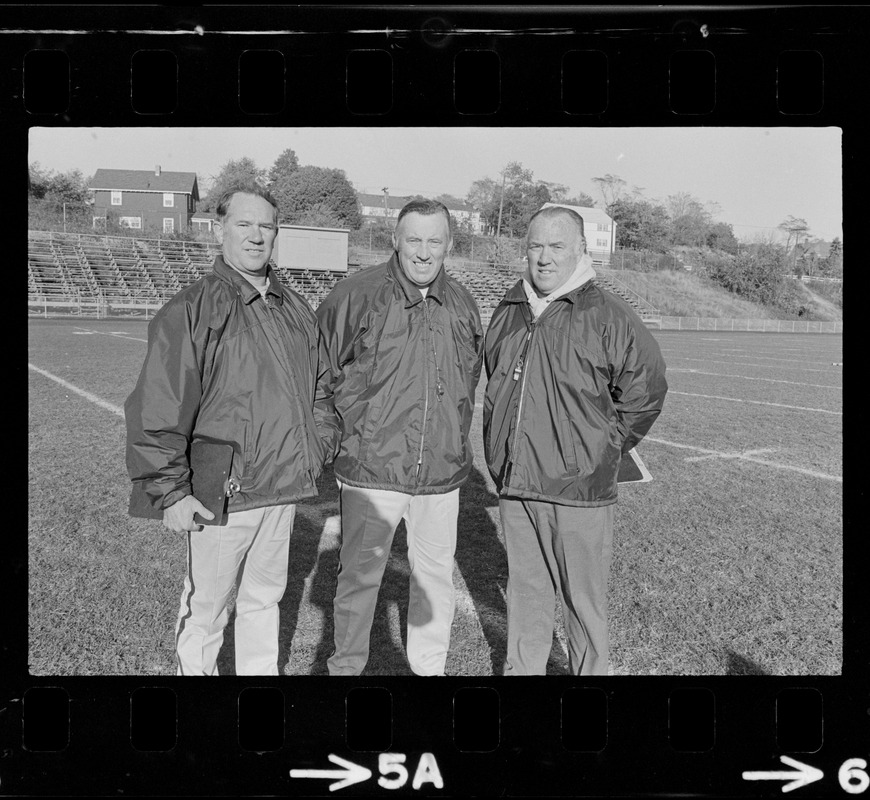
[(386, 191), (501, 203)]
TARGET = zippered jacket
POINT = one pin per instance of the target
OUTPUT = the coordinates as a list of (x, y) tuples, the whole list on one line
[(567, 395), (402, 375), (222, 363)]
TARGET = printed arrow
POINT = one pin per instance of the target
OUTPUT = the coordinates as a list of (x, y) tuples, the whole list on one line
[(805, 775), (349, 775)]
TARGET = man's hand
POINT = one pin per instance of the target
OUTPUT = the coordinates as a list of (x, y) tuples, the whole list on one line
[(179, 516)]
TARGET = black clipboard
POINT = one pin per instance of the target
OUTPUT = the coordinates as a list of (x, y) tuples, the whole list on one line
[(210, 464), (632, 469)]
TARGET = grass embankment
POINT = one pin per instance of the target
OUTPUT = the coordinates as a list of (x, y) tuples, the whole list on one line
[(682, 294)]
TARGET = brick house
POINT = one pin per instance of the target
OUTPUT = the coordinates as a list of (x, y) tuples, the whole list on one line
[(144, 199)]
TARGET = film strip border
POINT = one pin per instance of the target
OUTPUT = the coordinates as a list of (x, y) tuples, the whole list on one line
[(456, 67), (522, 737), (304, 66)]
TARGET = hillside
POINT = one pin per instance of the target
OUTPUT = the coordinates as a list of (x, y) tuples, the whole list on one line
[(682, 294)]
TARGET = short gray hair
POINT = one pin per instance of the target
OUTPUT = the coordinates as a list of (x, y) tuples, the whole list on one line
[(246, 187), (426, 207), (548, 212)]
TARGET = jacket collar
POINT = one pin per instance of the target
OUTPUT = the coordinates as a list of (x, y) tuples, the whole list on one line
[(584, 273), (247, 291), (411, 290)]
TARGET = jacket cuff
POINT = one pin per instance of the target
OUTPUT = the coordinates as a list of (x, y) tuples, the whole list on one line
[(174, 496)]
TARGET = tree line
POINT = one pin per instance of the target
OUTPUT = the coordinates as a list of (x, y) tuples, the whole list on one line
[(324, 197), (306, 194)]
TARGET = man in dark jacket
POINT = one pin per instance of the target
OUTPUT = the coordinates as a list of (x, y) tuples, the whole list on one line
[(575, 381), (233, 357), (405, 350)]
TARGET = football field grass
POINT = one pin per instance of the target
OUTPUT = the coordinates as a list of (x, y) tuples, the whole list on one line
[(728, 562)]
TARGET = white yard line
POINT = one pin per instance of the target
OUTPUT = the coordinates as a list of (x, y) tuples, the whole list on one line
[(761, 366), (746, 457), (115, 334), (87, 395), (753, 378), (756, 402), (731, 455)]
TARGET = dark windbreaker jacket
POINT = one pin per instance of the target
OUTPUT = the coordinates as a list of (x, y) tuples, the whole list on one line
[(402, 375), (567, 395), (224, 364)]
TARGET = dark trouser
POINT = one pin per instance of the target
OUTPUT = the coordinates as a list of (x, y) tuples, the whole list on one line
[(554, 548)]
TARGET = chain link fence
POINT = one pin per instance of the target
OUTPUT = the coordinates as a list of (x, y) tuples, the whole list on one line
[(93, 308), (749, 325)]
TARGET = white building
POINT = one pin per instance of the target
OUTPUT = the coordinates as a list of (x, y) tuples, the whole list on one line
[(311, 248), (600, 232), (384, 208)]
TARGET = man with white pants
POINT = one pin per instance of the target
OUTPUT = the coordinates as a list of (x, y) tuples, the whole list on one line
[(233, 357), (405, 347)]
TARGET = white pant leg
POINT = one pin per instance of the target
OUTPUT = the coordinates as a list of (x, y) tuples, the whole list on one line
[(214, 555), (431, 525), (261, 586), (369, 518)]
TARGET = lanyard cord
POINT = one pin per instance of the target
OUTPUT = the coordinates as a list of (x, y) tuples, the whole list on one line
[(439, 387)]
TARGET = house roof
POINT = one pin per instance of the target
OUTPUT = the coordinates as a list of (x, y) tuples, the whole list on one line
[(145, 180), (377, 200), (589, 214), (460, 207)]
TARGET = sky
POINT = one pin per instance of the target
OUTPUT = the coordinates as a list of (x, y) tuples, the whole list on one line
[(757, 177)]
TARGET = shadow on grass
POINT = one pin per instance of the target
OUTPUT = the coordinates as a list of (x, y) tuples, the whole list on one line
[(740, 665), (480, 557), (482, 561)]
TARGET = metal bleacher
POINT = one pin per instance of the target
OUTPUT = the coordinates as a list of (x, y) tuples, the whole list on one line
[(120, 270), (487, 283), (131, 273)]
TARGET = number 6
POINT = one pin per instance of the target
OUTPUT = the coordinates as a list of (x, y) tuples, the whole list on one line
[(853, 778)]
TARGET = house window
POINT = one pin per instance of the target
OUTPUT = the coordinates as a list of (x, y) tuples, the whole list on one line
[(116, 197), (601, 242), (168, 224), (168, 200), (130, 222), (99, 223)]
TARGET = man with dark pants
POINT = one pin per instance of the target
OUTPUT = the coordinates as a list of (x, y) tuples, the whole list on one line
[(233, 357), (405, 350), (575, 381)]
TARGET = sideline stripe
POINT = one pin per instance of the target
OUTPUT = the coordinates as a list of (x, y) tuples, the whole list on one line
[(115, 335), (757, 402), (746, 457), (760, 366), (739, 457), (753, 378), (87, 395)]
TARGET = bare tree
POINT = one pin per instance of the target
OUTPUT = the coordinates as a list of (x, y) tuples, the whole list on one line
[(795, 229), (612, 188)]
